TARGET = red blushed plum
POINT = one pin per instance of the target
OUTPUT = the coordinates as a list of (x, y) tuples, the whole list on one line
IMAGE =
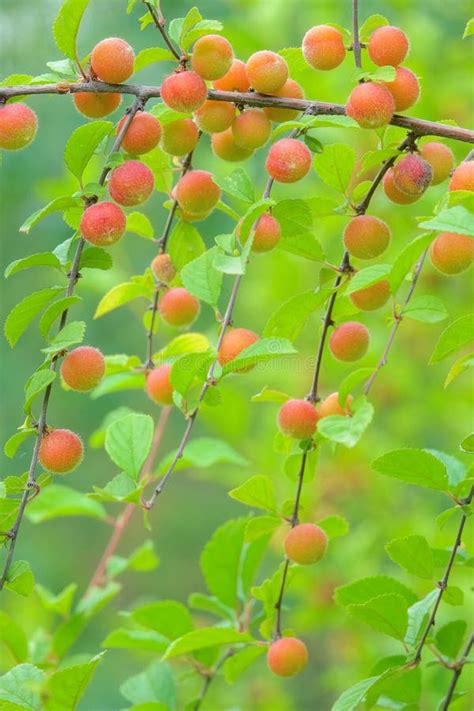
[(463, 177), (288, 160), (83, 368), (452, 253), (371, 297), (371, 105), (290, 90), (393, 193), (251, 129), (388, 45), (236, 78), (266, 71), (349, 341), (212, 57), (412, 175), (18, 126), (287, 656), (215, 116), (405, 89), (441, 159), (298, 419), (131, 183), (267, 234), (306, 544), (60, 451), (323, 47), (184, 91), (163, 268), (103, 224), (225, 147), (158, 385), (95, 105), (234, 342), (197, 193), (143, 133), (179, 137), (332, 406), (178, 307), (366, 236), (112, 60)]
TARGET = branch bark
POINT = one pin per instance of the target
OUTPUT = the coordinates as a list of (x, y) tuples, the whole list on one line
[(458, 667)]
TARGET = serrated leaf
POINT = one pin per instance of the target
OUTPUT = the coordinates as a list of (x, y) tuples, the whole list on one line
[(54, 311), (237, 185), (413, 466), (65, 687), (17, 439), (467, 445), (66, 26), (413, 554), (155, 684), (189, 369), (82, 144), (13, 637), (184, 244), (335, 165), (25, 311), (59, 204), (58, 501), (347, 430), (60, 603), (184, 343), (19, 688), (144, 640), (220, 561), (371, 24), (297, 229), (334, 526), (122, 294), (95, 258), (241, 661), (258, 491), (139, 224), (469, 29), (385, 613), (35, 385), (204, 27), (20, 578), (368, 276), (68, 336), (151, 55), (455, 219), (290, 318), (360, 591), (128, 442), (459, 367), (261, 351), (202, 279), (167, 617), (43, 259), (416, 616), (427, 308), (457, 335), (449, 637), (351, 699), (204, 638), (406, 259)]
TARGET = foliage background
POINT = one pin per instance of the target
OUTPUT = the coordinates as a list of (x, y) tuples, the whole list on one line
[(412, 408)]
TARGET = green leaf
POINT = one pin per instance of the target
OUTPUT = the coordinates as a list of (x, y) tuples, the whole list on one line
[(455, 219), (259, 526), (66, 686), (20, 578), (350, 382), (455, 469), (261, 351), (159, 163), (351, 699), (449, 637), (347, 430), (202, 279), (413, 466), (59, 204), (66, 25), (334, 526), (35, 385), (406, 259), (460, 366), (371, 24), (469, 29), (25, 311), (413, 554), (184, 244), (167, 617), (368, 276), (189, 369), (204, 27), (128, 442), (122, 294), (363, 590), (416, 617), (145, 640), (205, 452), (238, 185), (241, 661), (151, 55), (208, 603), (139, 224), (204, 638), (42, 259), (68, 336), (13, 442), (428, 309), (384, 613), (184, 343), (144, 558), (13, 637), (57, 501), (457, 335), (20, 687), (297, 229), (54, 311), (220, 561), (335, 165), (258, 491), (467, 445), (60, 603), (290, 318), (95, 258), (156, 683), (83, 143), (268, 395)]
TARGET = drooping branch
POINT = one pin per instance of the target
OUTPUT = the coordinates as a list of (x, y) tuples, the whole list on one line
[(420, 127)]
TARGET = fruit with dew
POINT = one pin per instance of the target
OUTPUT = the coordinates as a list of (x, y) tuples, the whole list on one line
[(441, 159), (112, 60), (184, 91), (288, 160), (235, 341), (393, 193), (405, 88), (412, 174), (18, 126), (60, 451), (298, 419), (225, 147), (158, 385), (95, 105), (332, 406), (215, 116), (143, 133), (349, 341), (197, 192), (287, 656), (366, 236), (388, 45), (179, 137), (452, 253), (251, 129), (266, 71), (463, 177), (178, 307), (103, 224), (371, 105), (131, 183), (266, 236), (371, 297), (290, 90), (163, 268), (236, 78), (212, 57), (323, 47), (83, 368), (306, 544)]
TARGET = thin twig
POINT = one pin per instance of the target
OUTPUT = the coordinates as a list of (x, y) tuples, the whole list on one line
[(355, 30), (160, 26), (210, 676), (458, 667)]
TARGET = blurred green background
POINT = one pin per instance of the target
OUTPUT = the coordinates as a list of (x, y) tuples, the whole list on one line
[(412, 408)]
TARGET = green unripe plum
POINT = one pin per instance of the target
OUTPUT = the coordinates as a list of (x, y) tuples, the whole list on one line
[(179, 137), (405, 88), (332, 406), (103, 224), (306, 544), (60, 451), (371, 297), (323, 47), (441, 159), (215, 116), (388, 45), (267, 234), (287, 656), (393, 193), (158, 385), (452, 253), (18, 126), (143, 133), (366, 236), (251, 129), (225, 147), (212, 57), (112, 60), (371, 105), (463, 177), (197, 192), (235, 341), (95, 105), (412, 175), (163, 268), (298, 419), (288, 160), (131, 183), (266, 71), (178, 307), (184, 91), (83, 368), (290, 90), (349, 341), (236, 78)]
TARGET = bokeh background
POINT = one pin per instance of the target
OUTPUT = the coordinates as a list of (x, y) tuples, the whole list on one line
[(412, 407)]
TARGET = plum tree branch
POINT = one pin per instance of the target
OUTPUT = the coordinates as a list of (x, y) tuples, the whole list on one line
[(73, 277), (420, 127), (210, 676), (160, 25), (457, 671)]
